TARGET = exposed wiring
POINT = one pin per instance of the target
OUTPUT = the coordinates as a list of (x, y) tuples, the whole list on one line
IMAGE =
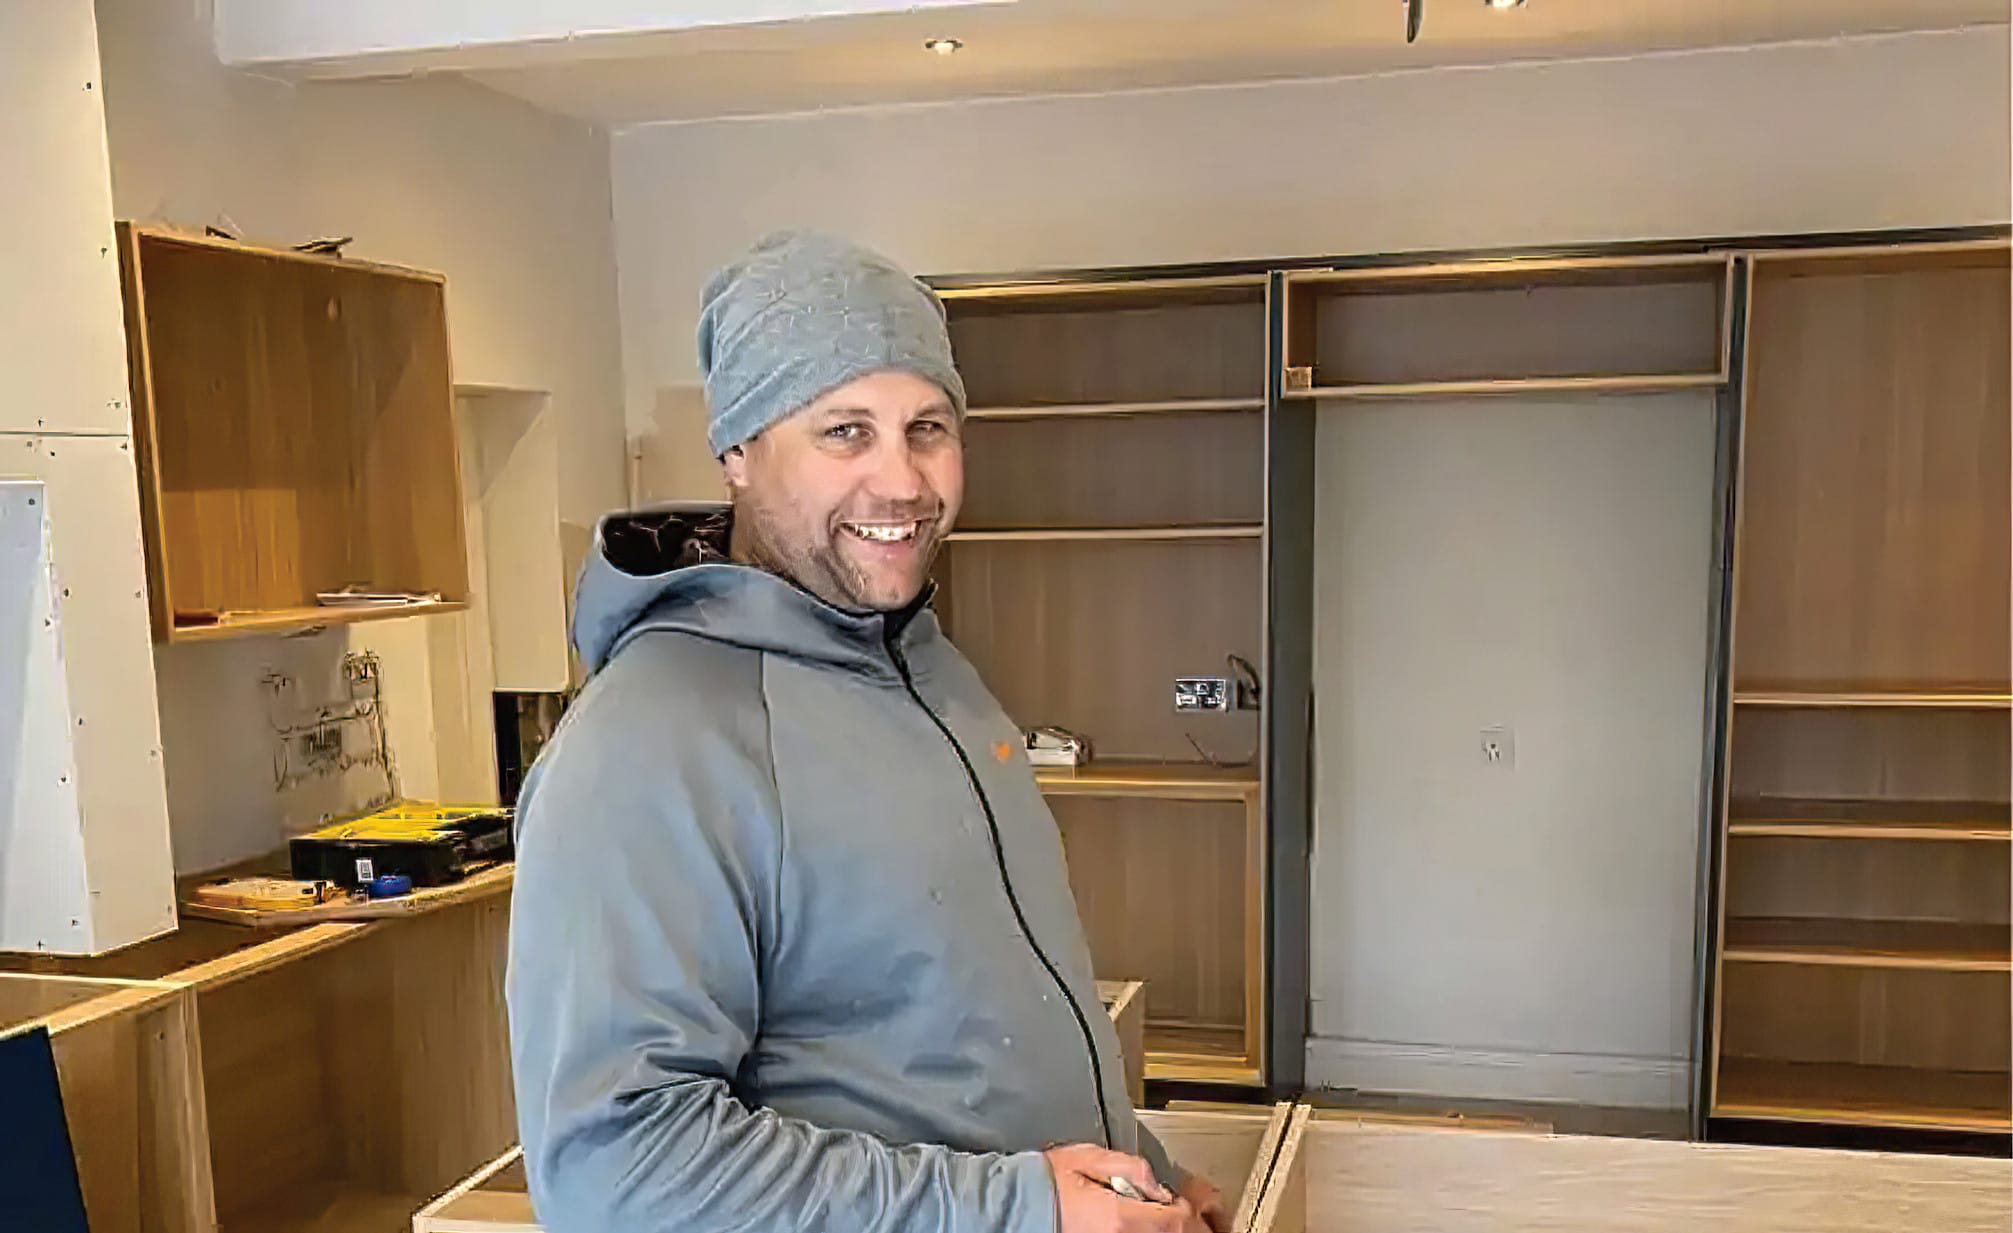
[(313, 744)]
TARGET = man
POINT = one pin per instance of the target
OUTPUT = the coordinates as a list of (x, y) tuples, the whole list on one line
[(792, 946)]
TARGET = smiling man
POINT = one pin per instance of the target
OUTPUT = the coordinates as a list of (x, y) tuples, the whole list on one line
[(792, 945)]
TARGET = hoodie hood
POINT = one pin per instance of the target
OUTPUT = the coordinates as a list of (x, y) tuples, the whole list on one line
[(669, 569)]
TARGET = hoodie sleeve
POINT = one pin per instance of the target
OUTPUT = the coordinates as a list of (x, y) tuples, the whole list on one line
[(644, 893)]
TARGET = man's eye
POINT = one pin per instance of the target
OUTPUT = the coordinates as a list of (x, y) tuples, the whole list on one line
[(929, 428), (846, 434)]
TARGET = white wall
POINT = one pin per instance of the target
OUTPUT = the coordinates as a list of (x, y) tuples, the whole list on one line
[(1880, 132), (1525, 935), (511, 203), (1519, 930)]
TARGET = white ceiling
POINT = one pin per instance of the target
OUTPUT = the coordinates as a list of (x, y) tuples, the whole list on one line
[(1063, 46)]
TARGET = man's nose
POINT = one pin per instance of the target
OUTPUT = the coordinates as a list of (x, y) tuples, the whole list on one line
[(897, 478)]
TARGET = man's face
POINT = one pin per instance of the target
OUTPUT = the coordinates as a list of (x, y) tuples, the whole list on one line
[(851, 496)]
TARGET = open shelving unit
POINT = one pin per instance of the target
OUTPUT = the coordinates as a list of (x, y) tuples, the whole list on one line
[(1586, 325), (294, 422), (1861, 974), (1112, 540)]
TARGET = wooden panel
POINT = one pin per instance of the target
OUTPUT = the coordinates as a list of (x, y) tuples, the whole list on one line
[(127, 1059), (1161, 887), (1864, 1095), (1490, 333), (1334, 1177), (300, 426), (1868, 879), (1104, 354), (1232, 1151), (1115, 471), (421, 1079), (1513, 386), (1874, 538), (1086, 636), (1125, 1002), (1871, 755), (1795, 817), (1870, 943), (1174, 781), (1936, 1020), (350, 1082)]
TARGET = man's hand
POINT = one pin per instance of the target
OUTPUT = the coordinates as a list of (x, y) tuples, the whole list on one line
[(1207, 1201), (1088, 1205)]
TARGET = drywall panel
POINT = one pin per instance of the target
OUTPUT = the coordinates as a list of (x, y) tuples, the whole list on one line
[(512, 205), (1901, 131), (92, 516), (1539, 569), (44, 900), (514, 480), (62, 348)]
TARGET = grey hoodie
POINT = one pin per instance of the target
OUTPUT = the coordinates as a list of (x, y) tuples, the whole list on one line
[(792, 945)]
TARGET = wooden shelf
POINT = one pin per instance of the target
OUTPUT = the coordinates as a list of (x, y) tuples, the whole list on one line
[(1520, 272), (1199, 1053), (329, 1207), (1109, 534), (1178, 406), (1787, 818), (1889, 1096), (1644, 384), (1152, 780), (1938, 945), (493, 881), (294, 620), (1821, 699)]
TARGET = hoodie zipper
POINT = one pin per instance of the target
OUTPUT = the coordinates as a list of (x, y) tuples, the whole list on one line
[(1006, 881)]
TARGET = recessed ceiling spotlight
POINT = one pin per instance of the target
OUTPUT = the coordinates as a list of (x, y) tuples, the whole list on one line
[(944, 47), (1504, 4)]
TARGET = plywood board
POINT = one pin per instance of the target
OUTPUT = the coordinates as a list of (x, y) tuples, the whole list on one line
[(1104, 353), (1468, 334), (1927, 1019), (1341, 1178), (127, 1058), (1115, 471), (1162, 889), (1873, 537), (1090, 636), (1871, 754), (1125, 1002)]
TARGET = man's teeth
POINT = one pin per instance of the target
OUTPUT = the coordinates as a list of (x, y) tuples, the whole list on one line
[(884, 532)]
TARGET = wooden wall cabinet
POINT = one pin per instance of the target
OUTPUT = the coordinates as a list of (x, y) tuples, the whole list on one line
[(295, 428), (1864, 948), (1111, 541)]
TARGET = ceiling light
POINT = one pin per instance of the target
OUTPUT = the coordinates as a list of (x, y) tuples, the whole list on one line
[(1504, 4), (944, 47)]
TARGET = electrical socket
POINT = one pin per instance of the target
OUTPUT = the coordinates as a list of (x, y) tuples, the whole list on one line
[(1201, 693), (1499, 746)]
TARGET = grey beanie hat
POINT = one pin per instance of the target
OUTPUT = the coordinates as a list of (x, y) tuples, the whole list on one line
[(803, 313)]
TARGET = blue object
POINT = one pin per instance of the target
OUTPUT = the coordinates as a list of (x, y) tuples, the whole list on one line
[(38, 1170), (390, 886)]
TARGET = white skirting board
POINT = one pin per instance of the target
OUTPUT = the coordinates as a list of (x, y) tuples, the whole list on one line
[(1482, 1074)]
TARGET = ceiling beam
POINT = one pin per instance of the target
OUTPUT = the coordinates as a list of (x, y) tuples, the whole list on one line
[(372, 38)]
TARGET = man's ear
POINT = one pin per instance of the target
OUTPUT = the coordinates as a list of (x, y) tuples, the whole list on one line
[(734, 463)]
